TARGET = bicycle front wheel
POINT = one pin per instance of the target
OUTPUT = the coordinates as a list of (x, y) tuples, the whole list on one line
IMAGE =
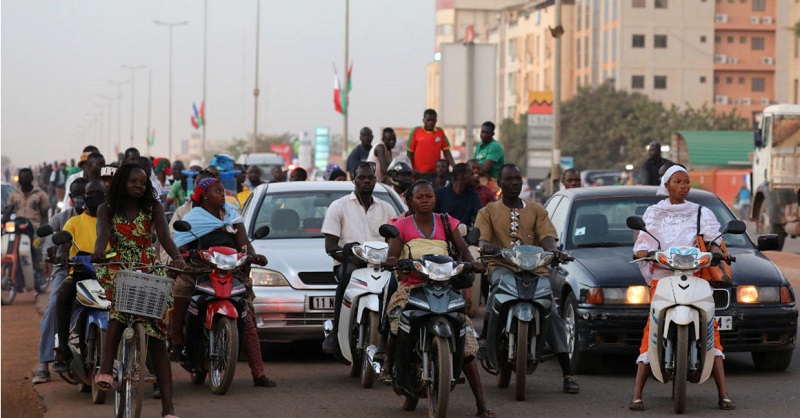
[(131, 355)]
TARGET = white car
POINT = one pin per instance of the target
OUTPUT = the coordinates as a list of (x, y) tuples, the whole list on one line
[(295, 290)]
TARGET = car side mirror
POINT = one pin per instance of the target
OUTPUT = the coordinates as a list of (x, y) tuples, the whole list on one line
[(473, 236), (389, 231), (62, 238), (768, 242), (44, 231), (736, 227), (636, 223), (182, 226), (261, 232)]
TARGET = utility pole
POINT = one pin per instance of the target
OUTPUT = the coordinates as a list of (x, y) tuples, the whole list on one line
[(255, 89), (133, 80), (119, 113), (109, 99), (171, 26), (555, 169), (149, 107), (346, 77), (205, 72)]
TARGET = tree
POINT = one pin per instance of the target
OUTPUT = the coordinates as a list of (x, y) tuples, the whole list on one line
[(242, 146), (514, 138)]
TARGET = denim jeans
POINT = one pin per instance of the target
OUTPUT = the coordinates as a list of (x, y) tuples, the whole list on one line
[(47, 327)]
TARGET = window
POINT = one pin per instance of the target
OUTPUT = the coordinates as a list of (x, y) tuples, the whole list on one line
[(742, 39), (638, 4), (637, 82), (702, 39), (728, 80), (638, 41), (759, 5), (660, 41), (741, 80), (717, 39), (757, 43), (702, 79), (716, 80), (578, 20), (660, 82), (730, 39), (578, 51), (758, 84), (661, 4)]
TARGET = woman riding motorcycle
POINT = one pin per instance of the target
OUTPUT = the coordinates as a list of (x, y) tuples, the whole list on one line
[(674, 222), (215, 223), (422, 231)]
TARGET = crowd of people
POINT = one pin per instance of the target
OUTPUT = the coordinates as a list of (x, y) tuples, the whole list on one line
[(121, 208)]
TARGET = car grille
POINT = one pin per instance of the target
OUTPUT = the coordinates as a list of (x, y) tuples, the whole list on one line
[(316, 278), (722, 298)]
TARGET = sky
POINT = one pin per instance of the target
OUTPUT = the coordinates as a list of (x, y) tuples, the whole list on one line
[(59, 57)]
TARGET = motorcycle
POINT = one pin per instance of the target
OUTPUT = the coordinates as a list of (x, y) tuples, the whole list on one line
[(682, 314), (88, 321), (360, 312), (215, 316), (429, 350), (18, 272), (517, 316)]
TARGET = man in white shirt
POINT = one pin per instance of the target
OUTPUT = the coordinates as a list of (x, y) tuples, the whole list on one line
[(65, 202), (352, 218)]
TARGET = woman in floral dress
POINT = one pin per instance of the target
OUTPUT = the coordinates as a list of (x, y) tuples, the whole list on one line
[(127, 221)]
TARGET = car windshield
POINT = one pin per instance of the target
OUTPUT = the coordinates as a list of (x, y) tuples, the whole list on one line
[(601, 221), (300, 214)]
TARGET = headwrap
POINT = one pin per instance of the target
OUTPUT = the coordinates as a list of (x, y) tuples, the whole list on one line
[(201, 188), (204, 223), (662, 189), (330, 169), (159, 163)]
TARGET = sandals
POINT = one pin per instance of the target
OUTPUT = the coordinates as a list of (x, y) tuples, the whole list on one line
[(726, 404), (485, 413), (103, 381), (264, 381), (636, 405), (385, 378)]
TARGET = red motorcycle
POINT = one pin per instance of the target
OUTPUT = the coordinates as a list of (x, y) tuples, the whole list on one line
[(216, 314)]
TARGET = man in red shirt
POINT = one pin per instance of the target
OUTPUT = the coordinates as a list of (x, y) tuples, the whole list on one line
[(426, 144)]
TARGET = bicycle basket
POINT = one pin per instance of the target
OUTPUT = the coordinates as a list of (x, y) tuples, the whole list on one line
[(141, 293)]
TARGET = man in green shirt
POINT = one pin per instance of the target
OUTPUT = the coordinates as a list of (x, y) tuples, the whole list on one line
[(489, 152)]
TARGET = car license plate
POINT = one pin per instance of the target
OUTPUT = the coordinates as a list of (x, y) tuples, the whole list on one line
[(322, 303), (724, 323)]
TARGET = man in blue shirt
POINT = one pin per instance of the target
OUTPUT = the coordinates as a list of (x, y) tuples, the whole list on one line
[(361, 152), (459, 199)]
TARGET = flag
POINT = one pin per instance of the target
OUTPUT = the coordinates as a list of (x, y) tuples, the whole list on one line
[(337, 92), (349, 84), (198, 119)]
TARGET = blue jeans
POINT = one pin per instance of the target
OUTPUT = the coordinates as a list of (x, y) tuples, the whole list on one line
[(47, 327)]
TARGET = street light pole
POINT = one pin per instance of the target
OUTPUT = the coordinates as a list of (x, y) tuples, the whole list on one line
[(255, 89), (119, 117), (205, 72), (171, 26), (149, 107), (133, 81), (109, 99), (555, 167), (346, 77)]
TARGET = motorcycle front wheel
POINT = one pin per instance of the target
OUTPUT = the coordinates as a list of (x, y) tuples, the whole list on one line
[(521, 366), (222, 366), (372, 337), (441, 366), (681, 369), (96, 340), (9, 292)]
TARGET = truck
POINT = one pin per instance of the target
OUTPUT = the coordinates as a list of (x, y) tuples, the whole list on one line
[(775, 180), (266, 161)]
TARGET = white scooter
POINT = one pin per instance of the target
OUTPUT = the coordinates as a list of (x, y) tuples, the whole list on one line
[(359, 316), (682, 319)]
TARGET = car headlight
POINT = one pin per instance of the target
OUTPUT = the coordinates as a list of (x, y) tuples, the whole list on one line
[(631, 295), (264, 277), (758, 294)]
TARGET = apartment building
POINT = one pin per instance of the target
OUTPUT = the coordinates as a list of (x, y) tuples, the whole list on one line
[(788, 35)]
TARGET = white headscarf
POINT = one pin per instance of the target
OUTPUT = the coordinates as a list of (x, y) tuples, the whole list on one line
[(662, 189)]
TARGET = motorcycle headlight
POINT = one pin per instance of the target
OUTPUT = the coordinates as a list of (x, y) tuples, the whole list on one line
[(527, 261), (631, 295), (439, 272), (265, 277), (683, 261), (223, 261), (10, 228), (376, 255), (758, 294)]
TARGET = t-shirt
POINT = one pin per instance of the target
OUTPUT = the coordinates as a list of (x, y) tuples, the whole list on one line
[(492, 151), (359, 153), (409, 231), (84, 233), (177, 193), (485, 194), (509, 227), (427, 148), (463, 207)]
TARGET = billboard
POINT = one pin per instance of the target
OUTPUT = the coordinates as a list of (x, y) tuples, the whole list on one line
[(453, 85), (322, 136), (540, 133)]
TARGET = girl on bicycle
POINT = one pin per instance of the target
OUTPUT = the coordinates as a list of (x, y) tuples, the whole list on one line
[(127, 221)]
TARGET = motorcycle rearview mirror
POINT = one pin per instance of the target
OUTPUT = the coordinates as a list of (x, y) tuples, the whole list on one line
[(44, 231), (261, 232), (735, 226), (473, 236), (637, 223), (182, 226), (62, 237), (389, 231)]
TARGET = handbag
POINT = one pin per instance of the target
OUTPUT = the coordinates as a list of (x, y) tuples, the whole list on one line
[(719, 273), (448, 234)]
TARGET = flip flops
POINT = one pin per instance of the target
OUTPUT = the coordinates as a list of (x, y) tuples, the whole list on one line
[(726, 404), (636, 405)]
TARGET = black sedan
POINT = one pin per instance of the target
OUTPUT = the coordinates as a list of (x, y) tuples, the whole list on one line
[(604, 298)]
